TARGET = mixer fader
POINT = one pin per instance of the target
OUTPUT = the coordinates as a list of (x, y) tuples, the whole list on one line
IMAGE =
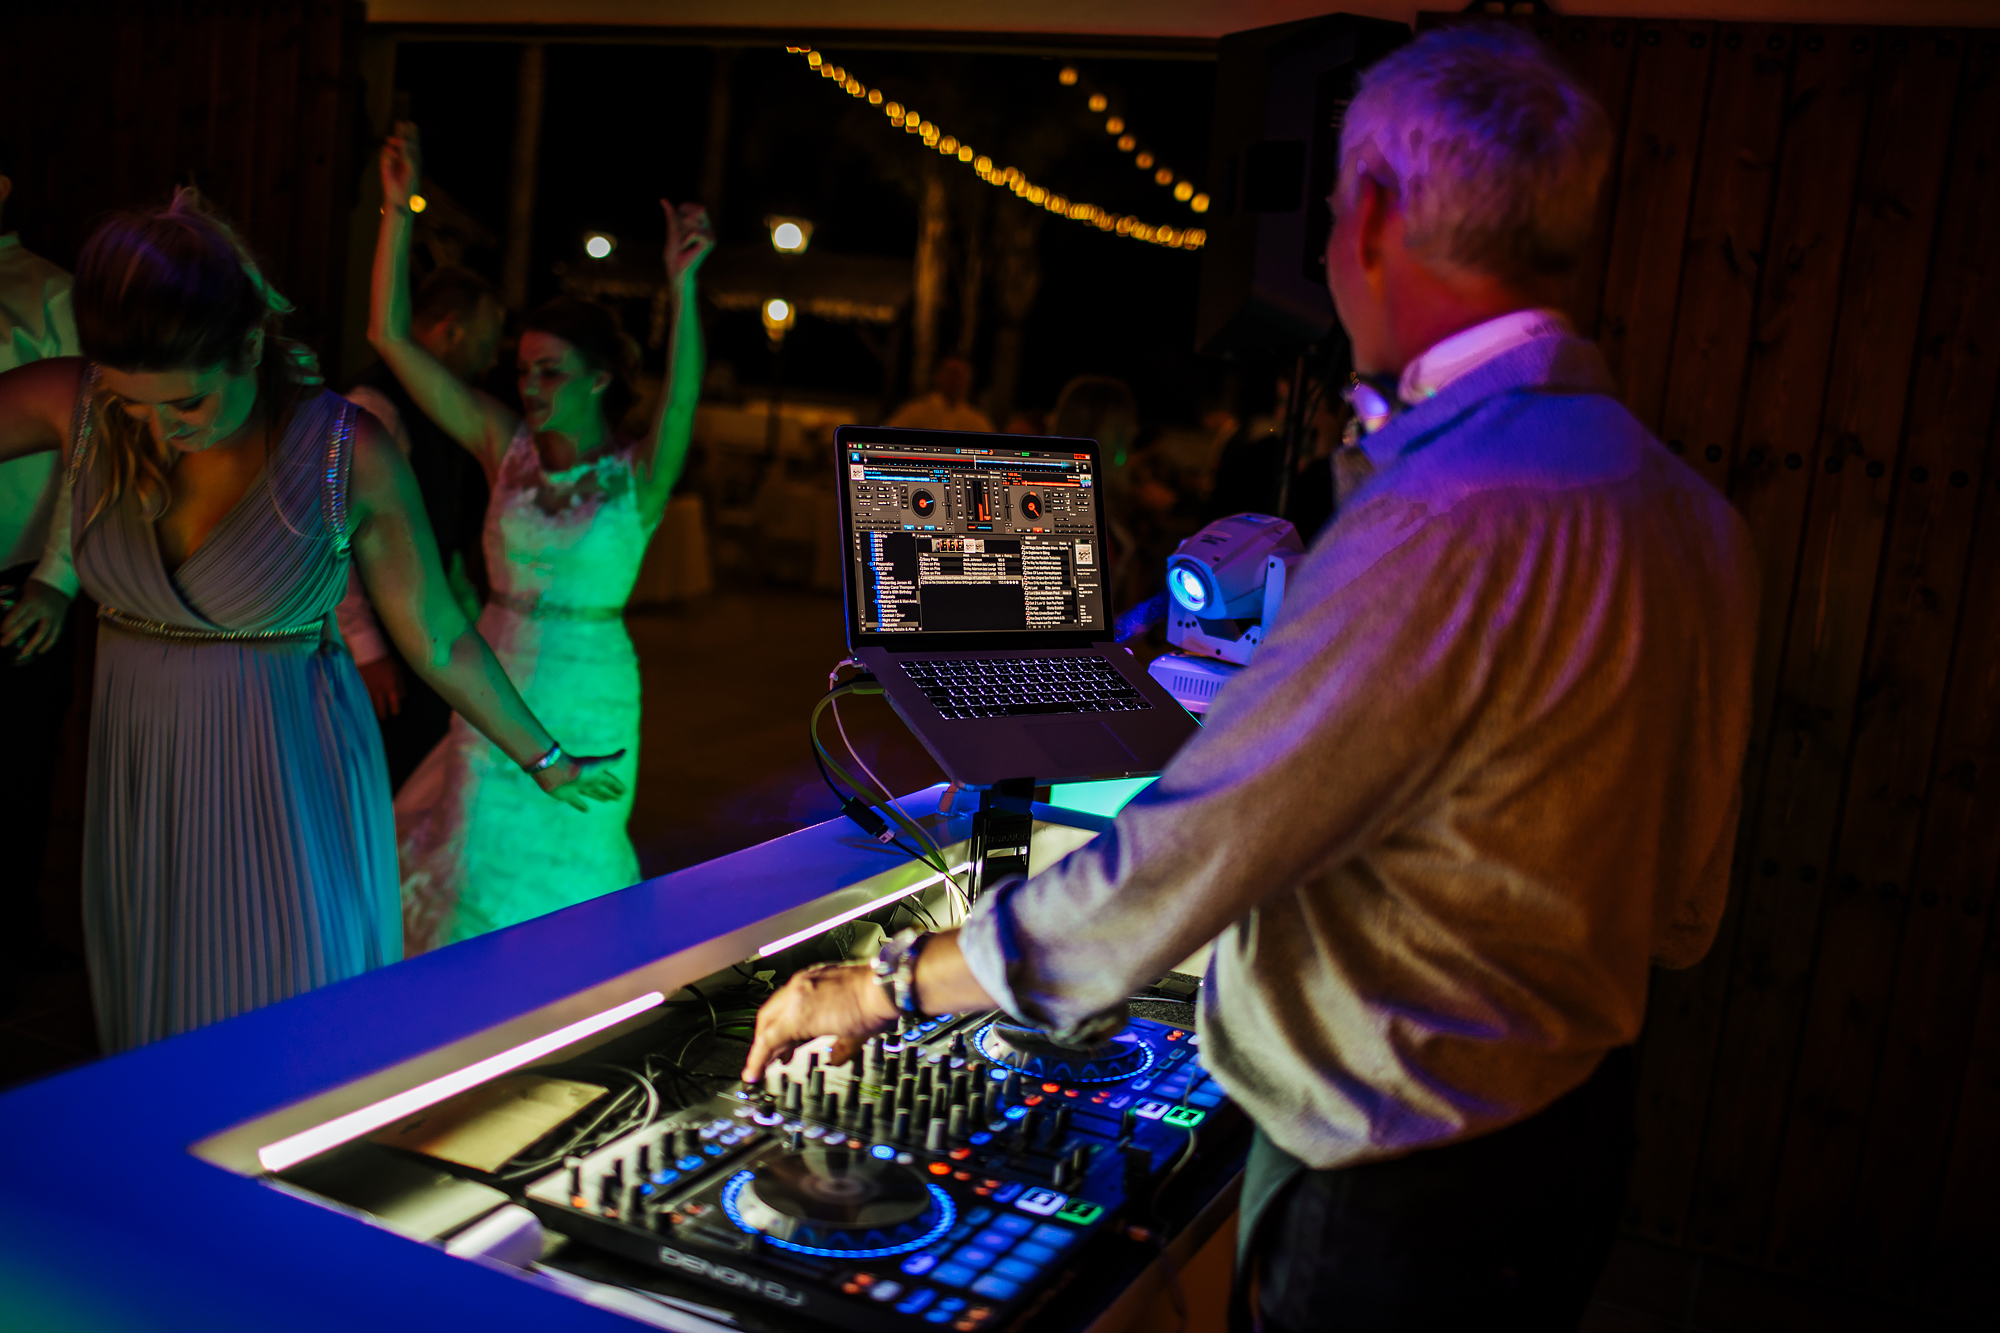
[(952, 1176)]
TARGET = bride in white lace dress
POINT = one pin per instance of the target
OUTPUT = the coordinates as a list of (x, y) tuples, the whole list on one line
[(573, 507)]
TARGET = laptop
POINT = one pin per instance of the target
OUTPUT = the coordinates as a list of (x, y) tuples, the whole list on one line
[(976, 593)]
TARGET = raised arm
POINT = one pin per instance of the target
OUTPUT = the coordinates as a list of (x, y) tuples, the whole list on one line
[(37, 402), (664, 455), (476, 420), (406, 582)]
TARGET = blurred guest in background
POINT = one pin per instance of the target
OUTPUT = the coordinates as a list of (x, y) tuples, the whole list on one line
[(458, 318), (36, 587), (945, 407), (573, 507), (238, 844)]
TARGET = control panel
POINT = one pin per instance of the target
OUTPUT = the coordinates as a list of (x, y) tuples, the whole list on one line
[(949, 1177)]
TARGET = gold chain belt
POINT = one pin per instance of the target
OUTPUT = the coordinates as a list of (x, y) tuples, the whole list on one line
[(160, 629)]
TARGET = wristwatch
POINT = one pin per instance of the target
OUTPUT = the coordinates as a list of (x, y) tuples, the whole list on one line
[(895, 970)]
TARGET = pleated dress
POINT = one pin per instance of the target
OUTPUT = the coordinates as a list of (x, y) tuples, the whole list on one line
[(239, 845)]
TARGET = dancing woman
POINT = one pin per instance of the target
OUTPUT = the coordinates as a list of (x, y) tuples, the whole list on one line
[(573, 507), (238, 844)]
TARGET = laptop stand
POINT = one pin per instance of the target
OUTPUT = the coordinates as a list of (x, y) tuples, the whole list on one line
[(1002, 825)]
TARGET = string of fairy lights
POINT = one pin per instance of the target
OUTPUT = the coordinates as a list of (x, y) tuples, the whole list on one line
[(1183, 189), (1012, 178)]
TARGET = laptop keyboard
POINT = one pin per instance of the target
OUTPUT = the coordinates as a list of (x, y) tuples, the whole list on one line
[(1013, 686)]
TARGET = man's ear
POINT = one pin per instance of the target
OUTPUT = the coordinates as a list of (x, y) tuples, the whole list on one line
[(1371, 217)]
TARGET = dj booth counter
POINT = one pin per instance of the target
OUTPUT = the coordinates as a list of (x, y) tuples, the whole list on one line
[(136, 1193)]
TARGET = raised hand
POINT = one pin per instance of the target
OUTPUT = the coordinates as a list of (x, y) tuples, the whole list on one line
[(402, 165), (689, 239), (578, 780)]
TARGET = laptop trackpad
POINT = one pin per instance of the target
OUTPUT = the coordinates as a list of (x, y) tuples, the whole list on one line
[(1080, 745)]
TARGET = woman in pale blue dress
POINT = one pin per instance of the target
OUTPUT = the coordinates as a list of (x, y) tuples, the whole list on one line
[(238, 841)]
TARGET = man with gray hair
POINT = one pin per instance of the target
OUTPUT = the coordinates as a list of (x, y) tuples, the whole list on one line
[(1482, 775)]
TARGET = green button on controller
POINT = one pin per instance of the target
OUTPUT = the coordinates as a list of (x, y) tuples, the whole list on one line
[(1080, 1211), (1184, 1117)]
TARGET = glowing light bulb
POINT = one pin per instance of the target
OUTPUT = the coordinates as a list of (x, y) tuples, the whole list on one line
[(894, 111), (1115, 125), (1199, 203), (787, 236), (965, 152), (1066, 76), (983, 165), (599, 246), (947, 145), (1126, 143), (1144, 161), (874, 97), (1163, 177), (815, 59), (1189, 590), (1097, 102), (777, 310), (1183, 192), (418, 203)]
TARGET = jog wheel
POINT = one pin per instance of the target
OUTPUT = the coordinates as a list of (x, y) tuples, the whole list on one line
[(923, 504), (1121, 1056), (835, 1201)]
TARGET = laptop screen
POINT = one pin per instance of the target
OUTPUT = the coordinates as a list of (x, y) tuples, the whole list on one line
[(981, 538)]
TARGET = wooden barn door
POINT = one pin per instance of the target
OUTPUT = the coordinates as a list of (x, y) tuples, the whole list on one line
[(1797, 281)]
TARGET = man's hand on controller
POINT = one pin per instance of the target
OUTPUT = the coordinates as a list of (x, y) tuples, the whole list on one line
[(838, 1000)]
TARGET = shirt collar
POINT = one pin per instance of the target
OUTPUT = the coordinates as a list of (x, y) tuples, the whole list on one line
[(1468, 349)]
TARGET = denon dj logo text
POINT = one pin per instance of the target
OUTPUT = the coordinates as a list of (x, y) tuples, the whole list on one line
[(729, 1277)]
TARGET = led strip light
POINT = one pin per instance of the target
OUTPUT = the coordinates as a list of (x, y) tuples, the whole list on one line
[(308, 1143), (800, 936)]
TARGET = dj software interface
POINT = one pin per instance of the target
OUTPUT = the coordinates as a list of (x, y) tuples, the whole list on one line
[(969, 540)]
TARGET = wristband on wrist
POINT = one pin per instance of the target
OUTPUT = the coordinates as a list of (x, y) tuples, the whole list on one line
[(548, 760), (895, 970)]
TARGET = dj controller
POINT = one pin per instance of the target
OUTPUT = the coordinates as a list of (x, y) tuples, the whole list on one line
[(954, 1175)]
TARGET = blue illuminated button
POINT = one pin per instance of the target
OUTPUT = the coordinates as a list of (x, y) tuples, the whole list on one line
[(977, 1215), (996, 1288), (1015, 1112), (1008, 1192), (973, 1257), (955, 1275), (882, 1152), (919, 1264), (1052, 1235), (916, 1300), (995, 1241), (945, 1311), (885, 1291), (1029, 1252), (1150, 1110), (1140, 1084), (1014, 1269), (691, 1163), (665, 1177), (1210, 1096), (1119, 1103), (1013, 1224), (997, 1074), (980, 1140), (1042, 1203)]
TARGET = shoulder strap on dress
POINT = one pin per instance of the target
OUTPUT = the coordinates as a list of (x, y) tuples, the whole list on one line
[(80, 441), (339, 464)]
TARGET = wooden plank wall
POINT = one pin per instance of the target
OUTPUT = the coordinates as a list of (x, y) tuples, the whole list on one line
[(1797, 281), (109, 104)]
